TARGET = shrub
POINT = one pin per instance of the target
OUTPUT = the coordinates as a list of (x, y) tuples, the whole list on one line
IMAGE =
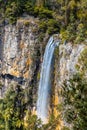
[(80, 33), (26, 23), (82, 66), (52, 30), (65, 128), (45, 13), (12, 12), (29, 8), (43, 26), (41, 36), (36, 11), (64, 35), (75, 102), (53, 26)]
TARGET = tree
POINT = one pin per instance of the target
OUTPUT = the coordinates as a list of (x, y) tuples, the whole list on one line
[(40, 3), (75, 102)]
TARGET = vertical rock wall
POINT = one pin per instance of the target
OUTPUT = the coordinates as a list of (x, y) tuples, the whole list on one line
[(20, 54)]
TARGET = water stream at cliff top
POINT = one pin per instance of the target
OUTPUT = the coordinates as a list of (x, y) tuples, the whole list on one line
[(45, 81)]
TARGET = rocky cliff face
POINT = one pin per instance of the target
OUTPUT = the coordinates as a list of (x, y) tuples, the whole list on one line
[(69, 55), (21, 55), (66, 58)]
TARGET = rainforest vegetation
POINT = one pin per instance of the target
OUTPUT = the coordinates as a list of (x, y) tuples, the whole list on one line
[(64, 16), (69, 19)]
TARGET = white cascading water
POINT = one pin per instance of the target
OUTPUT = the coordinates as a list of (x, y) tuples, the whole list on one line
[(45, 81)]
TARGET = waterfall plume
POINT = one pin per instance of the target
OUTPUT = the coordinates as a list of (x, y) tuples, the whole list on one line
[(45, 81)]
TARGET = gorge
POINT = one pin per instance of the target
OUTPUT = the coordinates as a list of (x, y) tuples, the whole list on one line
[(43, 65)]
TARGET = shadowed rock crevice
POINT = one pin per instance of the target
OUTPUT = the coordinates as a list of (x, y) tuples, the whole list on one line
[(19, 80)]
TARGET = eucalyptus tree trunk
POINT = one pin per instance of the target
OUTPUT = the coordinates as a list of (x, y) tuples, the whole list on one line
[(41, 3), (67, 12), (75, 9)]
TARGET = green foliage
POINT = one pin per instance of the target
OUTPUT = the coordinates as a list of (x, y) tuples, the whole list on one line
[(53, 26), (65, 128), (1, 85), (50, 25), (69, 34), (70, 16), (11, 12), (75, 102), (31, 122), (81, 66), (15, 115), (43, 26), (75, 95), (81, 33), (42, 12), (29, 8), (11, 109), (26, 23), (56, 52), (45, 13)]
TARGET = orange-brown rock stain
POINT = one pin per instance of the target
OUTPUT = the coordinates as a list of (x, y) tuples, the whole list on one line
[(28, 62), (22, 45), (56, 113)]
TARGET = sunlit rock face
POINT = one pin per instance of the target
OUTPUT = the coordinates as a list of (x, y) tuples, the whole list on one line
[(65, 64), (20, 53), (19, 47), (69, 55)]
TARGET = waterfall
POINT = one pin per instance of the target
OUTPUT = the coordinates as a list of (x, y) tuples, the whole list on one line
[(45, 81)]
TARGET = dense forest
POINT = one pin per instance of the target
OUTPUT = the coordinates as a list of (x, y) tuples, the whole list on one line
[(64, 16), (69, 19)]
